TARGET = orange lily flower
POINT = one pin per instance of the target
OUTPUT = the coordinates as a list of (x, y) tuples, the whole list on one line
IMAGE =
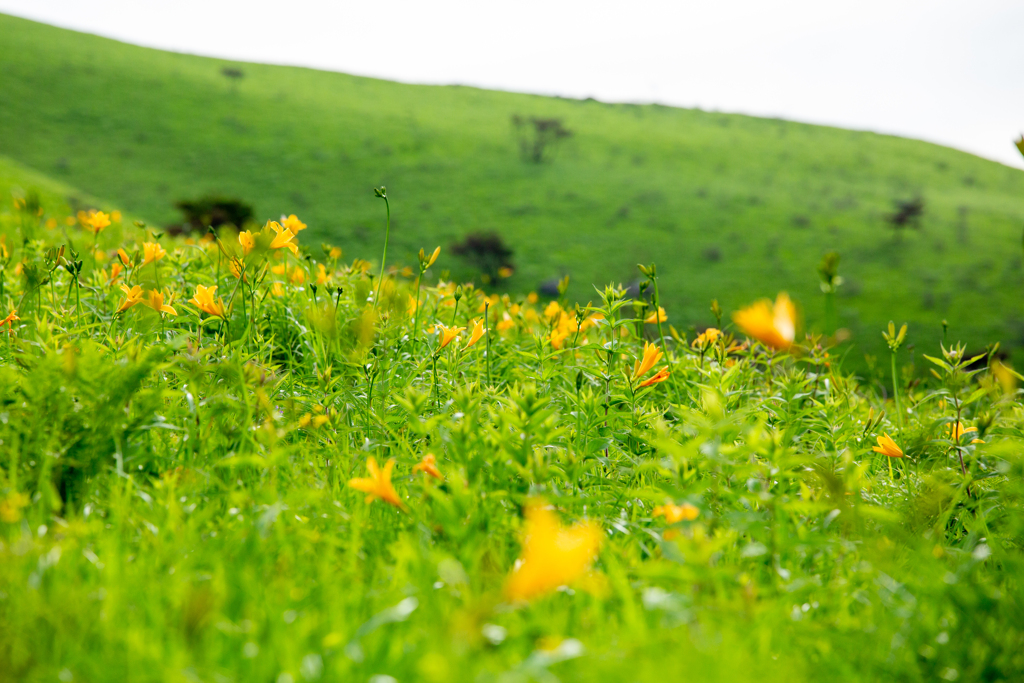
[(283, 238), (707, 337), (204, 301), (9, 320), (247, 241), (156, 302), (651, 356), (132, 296), (886, 446), (657, 317), (448, 334), (553, 555), (478, 332), (378, 484), (96, 222), (152, 251), (660, 376), (293, 224), (772, 326), (428, 466), (677, 513)]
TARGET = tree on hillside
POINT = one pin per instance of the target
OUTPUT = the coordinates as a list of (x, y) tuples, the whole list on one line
[(907, 214), (538, 137)]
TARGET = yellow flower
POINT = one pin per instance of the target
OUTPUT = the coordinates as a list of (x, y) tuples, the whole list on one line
[(772, 326), (476, 334), (660, 376), (9, 320), (132, 296), (156, 302), (123, 256), (96, 222), (553, 556), (247, 241), (115, 272), (277, 289), (957, 430), (322, 276), (553, 310), (51, 223), (293, 224), (10, 507), (335, 252), (886, 446), (378, 484), (532, 297), (115, 216), (677, 513), (651, 356), (433, 257), (658, 317), (448, 334), (558, 337), (506, 323), (204, 301), (237, 268), (707, 337), (428, 466), (283, 238), (505, 272), (152, 251), (298, 276)]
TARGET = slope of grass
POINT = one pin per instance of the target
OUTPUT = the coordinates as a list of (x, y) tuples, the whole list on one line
[(728, 206), (183, 494)]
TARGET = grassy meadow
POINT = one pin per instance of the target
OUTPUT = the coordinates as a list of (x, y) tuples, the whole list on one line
[(732, 207), (249, 458)]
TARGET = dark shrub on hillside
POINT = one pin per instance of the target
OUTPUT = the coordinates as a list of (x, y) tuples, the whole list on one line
[(212, 211), (907, 214), (538, 137), (485, 252)]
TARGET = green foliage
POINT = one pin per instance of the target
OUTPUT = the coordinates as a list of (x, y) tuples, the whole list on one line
[(726, 204), (174, 497)]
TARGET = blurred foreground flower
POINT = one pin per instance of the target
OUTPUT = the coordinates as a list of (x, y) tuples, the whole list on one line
[(553, 556), (293, 224), (378, 484), (677, 513), (772, 326), (10, 507), (9, 320)]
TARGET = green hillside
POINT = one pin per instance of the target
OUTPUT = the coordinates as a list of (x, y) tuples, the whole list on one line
[(728, 206)]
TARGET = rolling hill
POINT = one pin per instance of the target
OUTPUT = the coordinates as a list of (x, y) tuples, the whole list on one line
[(729, 207)]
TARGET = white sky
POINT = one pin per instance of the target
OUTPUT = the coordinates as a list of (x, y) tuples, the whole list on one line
[(948, 72)]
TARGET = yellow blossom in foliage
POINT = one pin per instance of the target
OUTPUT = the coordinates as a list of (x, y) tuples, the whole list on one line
[(335, 252), (277, 289), (298, 276), (505, 272), (11, 507), (532, 297), (553, 310), (282, 238), (553, 556), (279, 269), (247, 241), (774, 326), (115, 272), (9, 320), (707, 337), (433, 257), (115, 216), (205, 302), (132, 296), (378, 484), (95, 221), (322, 276), (651, 356), (51, 223), (886, 446), (70, 220), (656, 378), (428, 466), (448, 334), (677, 513), (155, 301), (152, 251), (124, 258), (293, 224), (476, 334), (957, 430), (558, 337), (657, 317), (506, 323), (237, 268)]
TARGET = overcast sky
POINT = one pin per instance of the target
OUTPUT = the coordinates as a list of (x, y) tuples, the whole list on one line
[(943, 71)]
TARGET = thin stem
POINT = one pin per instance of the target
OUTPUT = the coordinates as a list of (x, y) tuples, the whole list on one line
[(896, 393), (487, 334), (384, 256)]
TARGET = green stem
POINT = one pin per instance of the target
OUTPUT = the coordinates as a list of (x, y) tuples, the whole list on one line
[(384, 256), (896, 393), (487, 334)]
